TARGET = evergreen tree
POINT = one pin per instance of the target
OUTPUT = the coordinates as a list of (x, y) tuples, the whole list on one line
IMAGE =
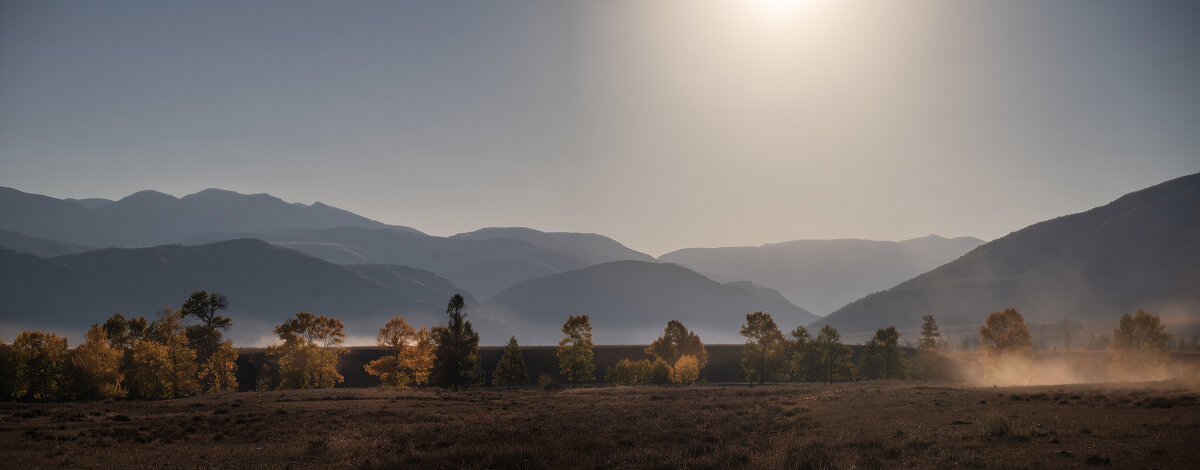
[(929, 363), (456, 354), (575, 350), (765, 348), (511, 368), (205, 338)]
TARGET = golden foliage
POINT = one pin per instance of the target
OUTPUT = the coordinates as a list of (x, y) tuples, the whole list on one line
[(219, 373), (575, 350), (309, 353), (686, 371), (410, 357), (96, 367), (41, 362)]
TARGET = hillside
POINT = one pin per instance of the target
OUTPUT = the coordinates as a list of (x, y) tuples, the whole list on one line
[(825, 274), (265, 285), (42, 247), (1140, 251), (591, 247), (151, 218), (631, 301)]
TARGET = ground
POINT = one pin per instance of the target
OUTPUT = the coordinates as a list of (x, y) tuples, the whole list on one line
[(848, 425)]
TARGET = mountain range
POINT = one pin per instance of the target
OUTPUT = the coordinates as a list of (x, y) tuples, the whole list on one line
[(1140, 251)]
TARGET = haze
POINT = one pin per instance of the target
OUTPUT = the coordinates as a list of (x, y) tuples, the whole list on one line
[(661, 124)]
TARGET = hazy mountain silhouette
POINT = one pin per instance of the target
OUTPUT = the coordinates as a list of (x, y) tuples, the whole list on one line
[(265, 284), (631, 301), (590, 247), (1140, 251), (825, 274), (484, 262), (42, 247), (152, 218)]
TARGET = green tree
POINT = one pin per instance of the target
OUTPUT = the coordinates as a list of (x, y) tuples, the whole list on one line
[(1140, 347), (205, 337), (882, 358), (929, 363), (677, 341), (575, 350), (410, 355), (42, 361), (765, 349), (511, 368), (804, 361), (96, 367), (456, 351), (834, 355), (309, 351)]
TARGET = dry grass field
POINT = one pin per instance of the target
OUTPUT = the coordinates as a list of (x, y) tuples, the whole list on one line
[(847, 425)]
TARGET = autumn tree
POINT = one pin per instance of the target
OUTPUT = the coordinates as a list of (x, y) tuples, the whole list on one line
[(575, 350), (219, 372), (41, 364), (929, 363), (804, 361), (764, 351), (205, 337), (96, 367), (511, 368), (456, 354), (10, 367), (1007, 345), (122, 333), (309, 351), (686, 370), (677, 341), (1140, 347), (882, 358), (833, 354), (409, 358)]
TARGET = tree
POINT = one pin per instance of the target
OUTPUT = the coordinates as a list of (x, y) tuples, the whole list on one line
[(456, 354), (575, 350), (929, 363), (122, 333), (41, 364), (687, 370), (1007, 344), (764, 350), (10, 367), (410, 355), (219, 372), (833, 354), (1140, 347), (677, 341), (309, 351), (205, 337), (96, 367), (511, 368), (882, 358), (804, 361)]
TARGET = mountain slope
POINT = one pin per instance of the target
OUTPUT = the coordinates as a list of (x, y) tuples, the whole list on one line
[(41, 247), (483, 266), (151, 218), (631, 301), (1140, 251), (591, 247), (265, 284), (825, 274)]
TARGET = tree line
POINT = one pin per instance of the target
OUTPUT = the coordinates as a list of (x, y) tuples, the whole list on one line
[(183, 352)]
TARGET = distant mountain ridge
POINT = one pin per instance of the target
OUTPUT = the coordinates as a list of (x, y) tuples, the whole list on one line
[(825, 274), (148, 218), (265, 284), (40, 247), (1140, 251), (630, 302)]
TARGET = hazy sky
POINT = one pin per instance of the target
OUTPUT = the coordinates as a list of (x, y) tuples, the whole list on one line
[(663, 124)]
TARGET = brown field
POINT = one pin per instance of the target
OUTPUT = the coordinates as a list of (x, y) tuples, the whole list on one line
[(846, 425)]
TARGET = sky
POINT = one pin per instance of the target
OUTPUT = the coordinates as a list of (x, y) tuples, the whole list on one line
[(664, 124)]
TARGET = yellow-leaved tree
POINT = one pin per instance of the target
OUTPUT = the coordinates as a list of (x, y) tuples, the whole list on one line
[(218, 373), (309, 352), (409, 358), (41, 364), (96, 367), (686, 371), (162, 365)]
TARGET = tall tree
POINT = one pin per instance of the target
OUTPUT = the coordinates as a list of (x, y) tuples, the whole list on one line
[(1140, 347), (929, 334), (833, 353), (763, 353), (456, 354), (882, 358), (309, 351), (205, 337), (410, 355), (41, 365), (677, 341), (1007, 344), (575, 357), (511, 368), (804, 361), (122, 333), (929, 363), (219, 372), (96, 367)]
